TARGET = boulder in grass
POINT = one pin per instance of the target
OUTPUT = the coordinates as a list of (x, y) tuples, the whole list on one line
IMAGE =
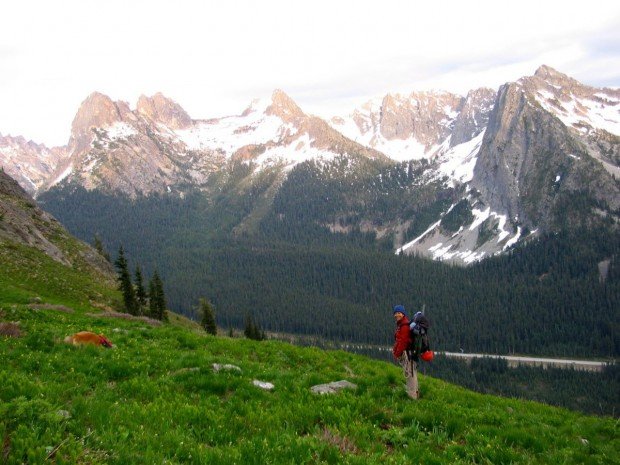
[(217, 367), (263, 385), (333, 387)]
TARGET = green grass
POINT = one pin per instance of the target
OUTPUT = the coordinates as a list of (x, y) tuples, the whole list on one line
[(28, 274), (156, 399)]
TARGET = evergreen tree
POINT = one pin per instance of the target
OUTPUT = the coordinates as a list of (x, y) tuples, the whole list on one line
[(125, 285), (252, 329), (141, 296), (207, 316), (157, 298), (101, 249)]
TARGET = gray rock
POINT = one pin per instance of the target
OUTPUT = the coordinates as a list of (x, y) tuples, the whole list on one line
[(263, 385), (63, 414), (217, 367), (333, 387)]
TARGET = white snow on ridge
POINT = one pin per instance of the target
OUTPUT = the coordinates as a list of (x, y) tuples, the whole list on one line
[(397, 149), (447, 248), (458, 163), (63, 175), (233, 132), (417, 239), (298, 151), (578, 111), (120, 130)]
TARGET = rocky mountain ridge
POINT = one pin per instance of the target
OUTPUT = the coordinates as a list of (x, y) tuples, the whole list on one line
[(419, 125), (518, 153), (547, 161), (158, 148), (29, 163)]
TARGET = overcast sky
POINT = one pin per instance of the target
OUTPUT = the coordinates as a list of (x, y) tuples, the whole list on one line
[(214, 57)]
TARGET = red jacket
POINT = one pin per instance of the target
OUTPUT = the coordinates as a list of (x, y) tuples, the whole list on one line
[(402, 339)]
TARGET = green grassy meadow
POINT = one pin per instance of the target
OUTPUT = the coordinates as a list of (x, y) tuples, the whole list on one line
[(155, 397)]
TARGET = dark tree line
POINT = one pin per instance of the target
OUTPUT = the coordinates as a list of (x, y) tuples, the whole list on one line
[(136, 300)]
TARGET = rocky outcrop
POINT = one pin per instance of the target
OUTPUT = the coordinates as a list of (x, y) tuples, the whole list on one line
[(425, 116), (473, 115), (333, 387), (284, 107), (161, 109), (97, 111), (134, 152), (22, 221)]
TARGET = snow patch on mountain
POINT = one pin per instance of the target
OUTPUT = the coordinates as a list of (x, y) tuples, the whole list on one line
[(580, 112), (120, 130), (298, 151), (67, 171), (458, 163), (463, 246), (231, 133)]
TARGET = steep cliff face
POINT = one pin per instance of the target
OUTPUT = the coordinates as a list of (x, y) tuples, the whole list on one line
[(532, 156), (473, 115)]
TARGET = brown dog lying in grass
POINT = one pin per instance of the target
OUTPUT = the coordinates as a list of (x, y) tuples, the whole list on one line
[(87, 337)]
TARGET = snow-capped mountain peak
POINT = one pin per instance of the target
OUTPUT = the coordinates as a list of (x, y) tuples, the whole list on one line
[(419, 125)]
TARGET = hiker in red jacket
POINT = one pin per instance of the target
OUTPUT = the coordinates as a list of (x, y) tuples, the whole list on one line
[(402, 340)]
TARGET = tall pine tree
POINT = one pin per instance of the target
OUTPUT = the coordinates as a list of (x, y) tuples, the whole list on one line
[(252, 330), (101, 249), (141, 296), (157, 299), (207, 314), (125, 284)]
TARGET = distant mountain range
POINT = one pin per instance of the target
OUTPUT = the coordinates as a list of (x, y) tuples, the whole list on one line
[(541, 154)]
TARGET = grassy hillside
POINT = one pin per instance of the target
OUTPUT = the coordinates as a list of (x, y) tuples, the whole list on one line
[(28, 275), (156, 398)]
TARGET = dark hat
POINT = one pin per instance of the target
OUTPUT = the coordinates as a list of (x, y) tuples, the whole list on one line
[(399, 308)]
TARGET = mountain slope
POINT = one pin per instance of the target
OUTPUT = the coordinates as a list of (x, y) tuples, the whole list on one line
[(40, 259), (93, 405), (158, 148)]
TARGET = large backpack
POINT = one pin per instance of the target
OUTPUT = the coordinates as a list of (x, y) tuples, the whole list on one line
[(418, 330)]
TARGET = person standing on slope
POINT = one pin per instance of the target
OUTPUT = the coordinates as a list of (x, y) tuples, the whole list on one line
[(402, 341)]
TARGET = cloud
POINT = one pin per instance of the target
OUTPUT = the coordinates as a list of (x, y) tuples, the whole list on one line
[(213, 57)]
